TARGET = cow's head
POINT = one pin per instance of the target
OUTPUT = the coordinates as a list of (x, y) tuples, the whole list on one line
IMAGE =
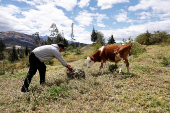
[(90, 61)]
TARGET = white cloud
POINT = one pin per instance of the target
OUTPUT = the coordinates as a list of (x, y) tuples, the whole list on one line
[(114, 23), (156, 5), (83, 3), (93, 8), (85, 18), (34, 20), (67, 4), (135, 30), (121, 17), (99, 18), (145, 15), (160, 9), (106, 4), (26, 1), (100, 25), (8, 19), (81, 35)]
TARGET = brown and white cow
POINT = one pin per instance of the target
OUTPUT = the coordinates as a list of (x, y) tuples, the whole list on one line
[(113, 53)]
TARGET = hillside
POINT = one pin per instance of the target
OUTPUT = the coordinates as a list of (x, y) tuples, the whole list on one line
[(15, 38), (145, 89)]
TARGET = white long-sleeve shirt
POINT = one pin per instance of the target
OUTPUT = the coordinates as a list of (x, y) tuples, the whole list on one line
[(48, 52)]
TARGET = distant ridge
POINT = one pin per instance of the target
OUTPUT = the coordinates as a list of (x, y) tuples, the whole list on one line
[(15, 38), (11, 38)]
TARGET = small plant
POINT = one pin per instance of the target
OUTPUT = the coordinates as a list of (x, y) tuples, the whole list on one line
[(51, 62), (78, 51), (65, 53), (112, 68), (56, 91), (165, 61)]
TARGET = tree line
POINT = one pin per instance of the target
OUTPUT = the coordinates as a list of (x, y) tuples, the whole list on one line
[(153, 38), (55, 37), (98, 37)]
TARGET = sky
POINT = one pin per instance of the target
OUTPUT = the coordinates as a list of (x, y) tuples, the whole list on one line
[(120, 18)]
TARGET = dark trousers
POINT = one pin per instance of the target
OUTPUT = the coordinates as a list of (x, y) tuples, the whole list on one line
[(35, 64)]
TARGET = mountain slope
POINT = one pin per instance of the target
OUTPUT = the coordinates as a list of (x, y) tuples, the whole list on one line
[(15, 38)]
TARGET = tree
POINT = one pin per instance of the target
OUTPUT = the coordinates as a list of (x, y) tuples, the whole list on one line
[(54, 30), (144, 38), (21, 54), (140, 39), (26, 51), (2, 47), (58, 39), (100, 38), (36, 38), (93, 36), (13, 56), (111, 40), (49, 40), (147, 38), (65, 42)]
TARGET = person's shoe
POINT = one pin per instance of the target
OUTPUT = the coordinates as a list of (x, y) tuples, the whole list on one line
[(43, 83), (24, 90)]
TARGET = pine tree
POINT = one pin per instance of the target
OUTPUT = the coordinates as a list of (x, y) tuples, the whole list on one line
[(49, 40), (93, 36), (65, 43), (58, 39), (111, 40), (2, 47), (26, 51), (13, 56)]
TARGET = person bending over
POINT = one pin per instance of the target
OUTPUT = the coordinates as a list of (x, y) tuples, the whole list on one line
[(37, 58)]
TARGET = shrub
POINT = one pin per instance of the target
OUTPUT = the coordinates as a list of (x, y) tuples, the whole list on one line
[(155, 38), (51, 62), (78, 51), (97, 46), (137, 49), (112, 68), (165, 61), (65, 53), (56, 91)]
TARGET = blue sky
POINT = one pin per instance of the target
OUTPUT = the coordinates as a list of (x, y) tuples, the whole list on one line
[(120, 18)]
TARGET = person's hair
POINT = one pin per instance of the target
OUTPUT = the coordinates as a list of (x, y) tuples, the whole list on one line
[(61, 45)]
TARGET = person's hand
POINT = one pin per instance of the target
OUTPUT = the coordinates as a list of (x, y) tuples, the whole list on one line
[(69, 67)]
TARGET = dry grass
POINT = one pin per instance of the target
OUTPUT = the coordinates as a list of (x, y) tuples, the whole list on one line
[(145, 89)]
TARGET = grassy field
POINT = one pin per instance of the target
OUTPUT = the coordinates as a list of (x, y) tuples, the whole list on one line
[(145, 89)]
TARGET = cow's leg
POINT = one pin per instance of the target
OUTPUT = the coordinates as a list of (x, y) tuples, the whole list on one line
[(103, 67), (123, 65), (125, 61), (127, 65)]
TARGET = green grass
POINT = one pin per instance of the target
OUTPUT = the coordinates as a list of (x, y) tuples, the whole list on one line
[(145, 89)]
